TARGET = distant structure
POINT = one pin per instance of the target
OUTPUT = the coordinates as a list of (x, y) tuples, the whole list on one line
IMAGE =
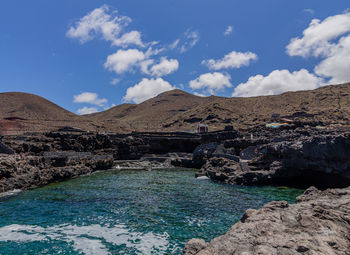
[(275, 125), (202, 128), (275, 116)]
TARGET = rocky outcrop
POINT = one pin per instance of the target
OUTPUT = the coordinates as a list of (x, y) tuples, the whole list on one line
[(291, 156), (27, 172), (318, 158), (319, 223), (42, 158)]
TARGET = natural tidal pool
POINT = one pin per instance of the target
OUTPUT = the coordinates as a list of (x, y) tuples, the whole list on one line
[(126, 212)]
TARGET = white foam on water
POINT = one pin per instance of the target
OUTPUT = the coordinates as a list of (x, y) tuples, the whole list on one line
[(10, 193), (88, 239), (202, 178), (195, 221), (19, 233)]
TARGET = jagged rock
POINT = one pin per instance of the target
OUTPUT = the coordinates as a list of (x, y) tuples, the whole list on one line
[(321, 160), (27, 172), (194, 246), (202, 153), (318, 224)]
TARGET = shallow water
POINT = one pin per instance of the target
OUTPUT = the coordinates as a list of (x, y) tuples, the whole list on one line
[(127, 212)]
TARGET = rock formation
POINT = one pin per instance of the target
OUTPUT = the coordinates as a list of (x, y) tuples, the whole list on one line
[(27, 172), (319, 223), (178, 111), (300, 157), (41, 158)]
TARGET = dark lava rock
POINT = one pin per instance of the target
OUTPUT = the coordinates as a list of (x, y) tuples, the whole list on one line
[(321, 160), (27, 172)]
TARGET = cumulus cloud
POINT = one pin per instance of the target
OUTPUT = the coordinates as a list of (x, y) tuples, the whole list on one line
[(133, 37), (336, 65), (147, 89), (211, 82), (232, 60), (199, 94), (317, 39), (106, 24), (330, 40), (164, 67), (277, 82), (87, 110), (228, 31), (144, 65), (124, 60), (90, 98)]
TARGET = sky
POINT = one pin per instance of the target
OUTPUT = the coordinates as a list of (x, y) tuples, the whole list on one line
[(90, 55)]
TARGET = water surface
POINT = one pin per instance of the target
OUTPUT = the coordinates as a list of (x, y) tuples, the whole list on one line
[(127, 212)]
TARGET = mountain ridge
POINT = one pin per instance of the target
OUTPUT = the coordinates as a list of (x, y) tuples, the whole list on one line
[(177, 110)]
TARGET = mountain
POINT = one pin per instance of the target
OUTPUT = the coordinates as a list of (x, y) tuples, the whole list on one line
[(31, 107), (177, 110), (152, 114), (27, 112)]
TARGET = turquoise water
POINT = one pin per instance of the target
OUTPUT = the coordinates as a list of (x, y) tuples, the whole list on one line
[(127, 212)]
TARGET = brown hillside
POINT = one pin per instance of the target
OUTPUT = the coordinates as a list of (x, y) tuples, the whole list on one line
[(179, 111), (27, 112), (31, 107)]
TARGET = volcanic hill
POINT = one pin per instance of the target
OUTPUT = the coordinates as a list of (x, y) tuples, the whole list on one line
[(177, 110), (27, 112)]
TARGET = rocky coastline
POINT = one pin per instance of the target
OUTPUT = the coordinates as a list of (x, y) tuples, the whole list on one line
[(36, 159), (300, 155), (319, 223)]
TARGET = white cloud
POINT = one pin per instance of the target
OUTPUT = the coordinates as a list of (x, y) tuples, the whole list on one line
[(310, 11), (124, 60), (164, 67), (191, 39), (107, 24), (174, 44), (228, 31), (153, 52), (336, 65), (317, 38), (147, 89), (330, 40), (144, 65), (89, 98), (211, 82), (232, 60), (133, 37), (199, 94), (188, 40), (115, 81), (87, 110), (277, 82)]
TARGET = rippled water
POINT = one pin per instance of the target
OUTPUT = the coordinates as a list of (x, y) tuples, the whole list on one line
[(127, 212)]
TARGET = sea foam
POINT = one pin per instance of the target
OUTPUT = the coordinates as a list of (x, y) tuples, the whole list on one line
[(89, 239)]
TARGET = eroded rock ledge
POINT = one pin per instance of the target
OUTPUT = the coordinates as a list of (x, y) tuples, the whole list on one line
[(300, 157), (294, 156), (319, 223)]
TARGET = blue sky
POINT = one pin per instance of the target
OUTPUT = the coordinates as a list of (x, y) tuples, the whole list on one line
[(87, 55)]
